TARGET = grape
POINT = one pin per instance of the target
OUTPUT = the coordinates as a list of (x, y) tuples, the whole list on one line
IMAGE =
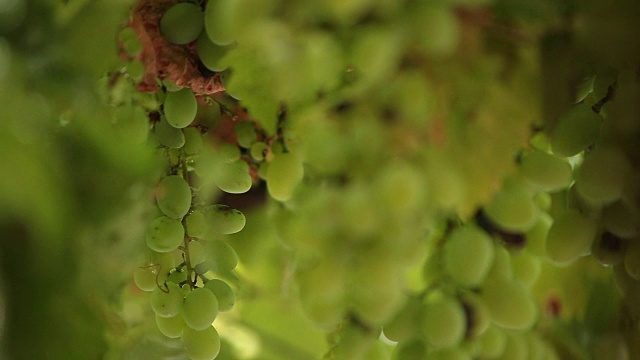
[(245, 133), (536, 237), (167, 304), (218, 20), (193, 141), (201, 345), (179, 276), (576, 130), (196, 224), (477, 315), (211, 53), (173, 195), (448, 354), (621, 219), (258, 150), (443, 322), (570, 237), (180, 108), (322, 294), (509, 303), (233, 177), (413, 350), (501, 266), (610, 346), (466, 270), (492, 343), (222, 256), (145, 278), (200, 309), (196, 253), (223, 292), (404, 325), (526, 267), (132, 123), (170, 326), (223, 219), (163, 263), (600, 178), (182, 23), (168, 136), (547, 171), (513, 210), (164, 234), (632, 259), (283, 175)]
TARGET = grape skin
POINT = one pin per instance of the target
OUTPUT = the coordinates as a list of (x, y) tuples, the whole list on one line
[(200, 309), (201, 345)]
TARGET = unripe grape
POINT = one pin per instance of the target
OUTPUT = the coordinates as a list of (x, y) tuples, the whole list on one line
[(622, 219), (164, 234), (182, 23), (170, 326), (232, 177), (608, 249), (257, 150), (526, 267), (167, 304), (180, 108), (200, 309), (477, 315), (515, 348), (221, 255), (196, 224), (509, 303), (219, 19), (413, 350), (201, 344), (167, 135), (145, 278), (196, 253), (444, 322), (549, 172), (404, 325), (466, 270), (211, 53), (193, 141), (512, 209), (283, 175), (223, 292), (600, 177), (173, 195), (245, 133), (576, 130), (223, 219), (570, 237), (492, 343)]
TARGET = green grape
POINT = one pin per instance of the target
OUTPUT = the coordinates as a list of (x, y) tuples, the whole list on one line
[(600, 177), (145, 278), (501, 266), (163, 263), (193, 141), (437, 30), (515, 348), (180, 108), (492, 343), (443, 322), (167, 135), (223, 292), (621, 219), (448, 354), (179, 276), (283, 175), (170, 326), (575, 131), (464, 269), (610, 346), (632, 259), (182, 23), (526, 267), (196, 224), (173, 196), (219, 19), (200, 309), (201, 344), (258, 150), (245, 133), (233, 178), (405, 324), (535, 348), (164, 234), (223, 219), (170, 86), (322, 294), (167, 304), (570, 237), (130, 41), (210, 53), (196, 253), (222, 256), (513, 210), (412, 350), (608, 249), (509, 303), (132, 123), (549, 172), (478, 318)]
